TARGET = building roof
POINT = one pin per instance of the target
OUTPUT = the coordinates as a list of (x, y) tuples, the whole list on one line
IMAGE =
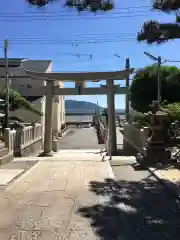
[(12, 62)]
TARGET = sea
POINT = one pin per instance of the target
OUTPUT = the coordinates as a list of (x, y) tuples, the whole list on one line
[(83, 118)]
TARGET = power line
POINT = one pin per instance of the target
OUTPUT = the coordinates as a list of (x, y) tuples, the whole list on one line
[(90, 56), (54, 15), (66, 11), (71, 42), (172, 61), (46, 18), (91, 39), (75, 35), (71, 39)]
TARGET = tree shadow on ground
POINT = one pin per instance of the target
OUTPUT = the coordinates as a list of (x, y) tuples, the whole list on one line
[(133, 210)]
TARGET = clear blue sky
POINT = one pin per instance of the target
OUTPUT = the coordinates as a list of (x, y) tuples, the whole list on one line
[(113, 33)]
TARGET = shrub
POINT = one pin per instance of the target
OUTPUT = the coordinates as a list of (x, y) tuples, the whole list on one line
[(142, 119), (173, 111)]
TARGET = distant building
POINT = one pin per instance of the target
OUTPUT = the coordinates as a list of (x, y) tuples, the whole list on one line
[(22, 83)]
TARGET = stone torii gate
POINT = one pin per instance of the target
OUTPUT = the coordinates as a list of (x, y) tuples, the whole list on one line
[(51, 90)]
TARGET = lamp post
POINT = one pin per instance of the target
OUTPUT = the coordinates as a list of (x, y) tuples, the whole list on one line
[(159, 62)]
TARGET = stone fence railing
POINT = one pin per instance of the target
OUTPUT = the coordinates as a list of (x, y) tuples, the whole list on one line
[(9, 136), (135, 137), (1, 133), (102, 133), (24, 140)]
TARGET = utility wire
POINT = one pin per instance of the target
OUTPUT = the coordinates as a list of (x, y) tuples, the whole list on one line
[(70, 40), (172, 61), (66, 11), (76, 35), (90, 56), (46, 18), (55, 15), (72, 43)]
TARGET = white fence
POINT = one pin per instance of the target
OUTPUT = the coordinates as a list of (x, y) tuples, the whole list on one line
[(27, 135), (9, 136), (22, 137), (136, 136)]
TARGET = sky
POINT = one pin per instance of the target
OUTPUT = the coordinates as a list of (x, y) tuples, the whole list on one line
[(83, 41)]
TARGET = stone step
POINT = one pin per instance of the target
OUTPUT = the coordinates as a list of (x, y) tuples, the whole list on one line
[(2, 144), (3, 152), (8, 175), (6, 158)]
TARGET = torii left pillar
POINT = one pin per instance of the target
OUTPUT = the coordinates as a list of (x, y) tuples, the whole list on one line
[(112, 147), (48, 119)]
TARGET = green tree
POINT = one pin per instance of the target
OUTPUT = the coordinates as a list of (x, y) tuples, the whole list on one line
[(154, 31), (17, 101), (80, 5), (105, 113), (143, 89)]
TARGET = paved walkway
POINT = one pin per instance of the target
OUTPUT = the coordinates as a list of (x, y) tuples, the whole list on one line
[(151, 212), (75, 196), (46, 202), (82, 138), (169, 175)]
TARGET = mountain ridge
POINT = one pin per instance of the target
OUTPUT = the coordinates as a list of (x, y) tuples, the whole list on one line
[(74, 106)]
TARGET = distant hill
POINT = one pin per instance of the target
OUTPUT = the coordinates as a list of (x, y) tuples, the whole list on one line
[(83, 107), (73, 106)]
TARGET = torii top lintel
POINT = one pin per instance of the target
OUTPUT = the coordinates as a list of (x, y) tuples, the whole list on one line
[(81, 76)]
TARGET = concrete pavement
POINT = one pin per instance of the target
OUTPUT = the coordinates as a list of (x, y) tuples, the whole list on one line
[(152, 213), (80, 138), (75, 196), (46, 202), (169, 176)]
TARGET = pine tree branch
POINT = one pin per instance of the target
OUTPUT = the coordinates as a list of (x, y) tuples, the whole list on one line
[(166, 5), (80, 5), (153, 31)]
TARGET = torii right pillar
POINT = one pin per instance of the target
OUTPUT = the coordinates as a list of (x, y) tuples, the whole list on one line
[(112, 147)]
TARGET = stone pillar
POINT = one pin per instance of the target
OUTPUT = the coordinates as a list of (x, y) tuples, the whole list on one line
[(111, 117), (56, 122), (62, 106), (127, 67), (48, 119), (56, 113)]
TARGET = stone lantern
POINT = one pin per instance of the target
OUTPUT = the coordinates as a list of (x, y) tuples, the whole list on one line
[(157, 142)]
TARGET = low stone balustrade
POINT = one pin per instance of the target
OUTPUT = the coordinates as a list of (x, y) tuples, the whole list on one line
[(28, 139), (9, 137), (102, 132), (135, 137)]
